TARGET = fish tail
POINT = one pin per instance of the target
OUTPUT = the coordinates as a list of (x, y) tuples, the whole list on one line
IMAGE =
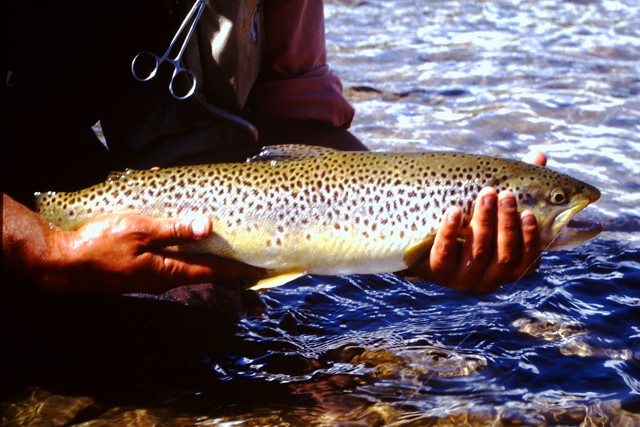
[(39, 200)]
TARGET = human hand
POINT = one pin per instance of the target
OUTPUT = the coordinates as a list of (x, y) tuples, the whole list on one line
[(131, 253), (501, 245)]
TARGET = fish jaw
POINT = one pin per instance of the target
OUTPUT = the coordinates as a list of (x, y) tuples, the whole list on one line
[(562, 232), (574, 234)]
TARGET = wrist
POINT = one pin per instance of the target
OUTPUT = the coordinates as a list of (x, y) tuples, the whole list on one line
[(32, 248), (48, 268)]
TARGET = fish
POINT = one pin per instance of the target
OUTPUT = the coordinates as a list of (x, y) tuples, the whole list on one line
[(296, 209)]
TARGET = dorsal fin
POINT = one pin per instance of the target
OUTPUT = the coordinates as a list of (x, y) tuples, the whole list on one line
[(288, 152), (116, 175)]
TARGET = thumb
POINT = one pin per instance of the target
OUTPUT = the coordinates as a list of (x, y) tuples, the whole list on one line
[(536, 157), (175, 232)]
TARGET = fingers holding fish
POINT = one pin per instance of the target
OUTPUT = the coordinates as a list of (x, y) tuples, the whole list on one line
[(508, 244), (518, 248), (177, 269), (138, 248), (498, 246), (178, 232), (515, 244), (509, 238), (169, 268), (444, 258), (532, 247), (480, 239)]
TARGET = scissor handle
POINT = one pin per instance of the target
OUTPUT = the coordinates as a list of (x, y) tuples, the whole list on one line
[(145, 56), (187, 83)]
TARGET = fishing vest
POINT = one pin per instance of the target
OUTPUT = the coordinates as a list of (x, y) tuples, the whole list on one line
[(224, 53)]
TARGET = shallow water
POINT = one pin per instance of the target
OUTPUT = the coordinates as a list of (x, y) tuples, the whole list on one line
[(559, 347)]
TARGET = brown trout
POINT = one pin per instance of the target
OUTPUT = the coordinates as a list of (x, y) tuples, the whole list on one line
[(299, 209)]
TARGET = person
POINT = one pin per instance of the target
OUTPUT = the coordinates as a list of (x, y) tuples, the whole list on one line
[(64, 74)]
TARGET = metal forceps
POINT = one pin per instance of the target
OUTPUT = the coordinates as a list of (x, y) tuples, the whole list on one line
[(179, 72)]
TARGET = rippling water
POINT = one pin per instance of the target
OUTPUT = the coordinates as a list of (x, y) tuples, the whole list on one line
[(559, 347)]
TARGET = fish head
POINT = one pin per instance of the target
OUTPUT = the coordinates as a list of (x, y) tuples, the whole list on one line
[(555, 198)]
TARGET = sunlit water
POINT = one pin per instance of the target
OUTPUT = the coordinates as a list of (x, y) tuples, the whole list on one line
[(559, 347)]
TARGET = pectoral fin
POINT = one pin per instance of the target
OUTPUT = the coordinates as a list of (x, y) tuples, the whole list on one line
[(418, 252), (277, 280)]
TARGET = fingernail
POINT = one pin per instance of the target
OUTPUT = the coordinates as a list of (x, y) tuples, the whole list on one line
[(507, 202), (200, 227), (452, 215), (528, 219), (489, 200)]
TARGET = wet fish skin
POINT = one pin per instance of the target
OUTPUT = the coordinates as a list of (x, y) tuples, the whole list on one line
[(321, 211)]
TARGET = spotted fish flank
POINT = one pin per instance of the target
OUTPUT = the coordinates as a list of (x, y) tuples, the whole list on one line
[(320, 211)]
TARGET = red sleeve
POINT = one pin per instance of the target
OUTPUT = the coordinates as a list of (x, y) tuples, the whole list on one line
[(295, 82)]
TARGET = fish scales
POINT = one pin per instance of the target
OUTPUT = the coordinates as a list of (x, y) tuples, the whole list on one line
[(318, 210)]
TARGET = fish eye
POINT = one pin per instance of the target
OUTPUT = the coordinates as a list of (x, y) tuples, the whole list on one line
[(558, 196)]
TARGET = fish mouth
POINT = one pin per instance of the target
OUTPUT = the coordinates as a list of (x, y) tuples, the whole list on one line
[(567, 233)]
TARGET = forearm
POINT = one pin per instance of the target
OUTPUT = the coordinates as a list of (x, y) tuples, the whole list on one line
[(27, 241), (295, 82)]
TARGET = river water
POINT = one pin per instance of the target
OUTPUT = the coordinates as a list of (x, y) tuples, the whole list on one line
[(559, 347)]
